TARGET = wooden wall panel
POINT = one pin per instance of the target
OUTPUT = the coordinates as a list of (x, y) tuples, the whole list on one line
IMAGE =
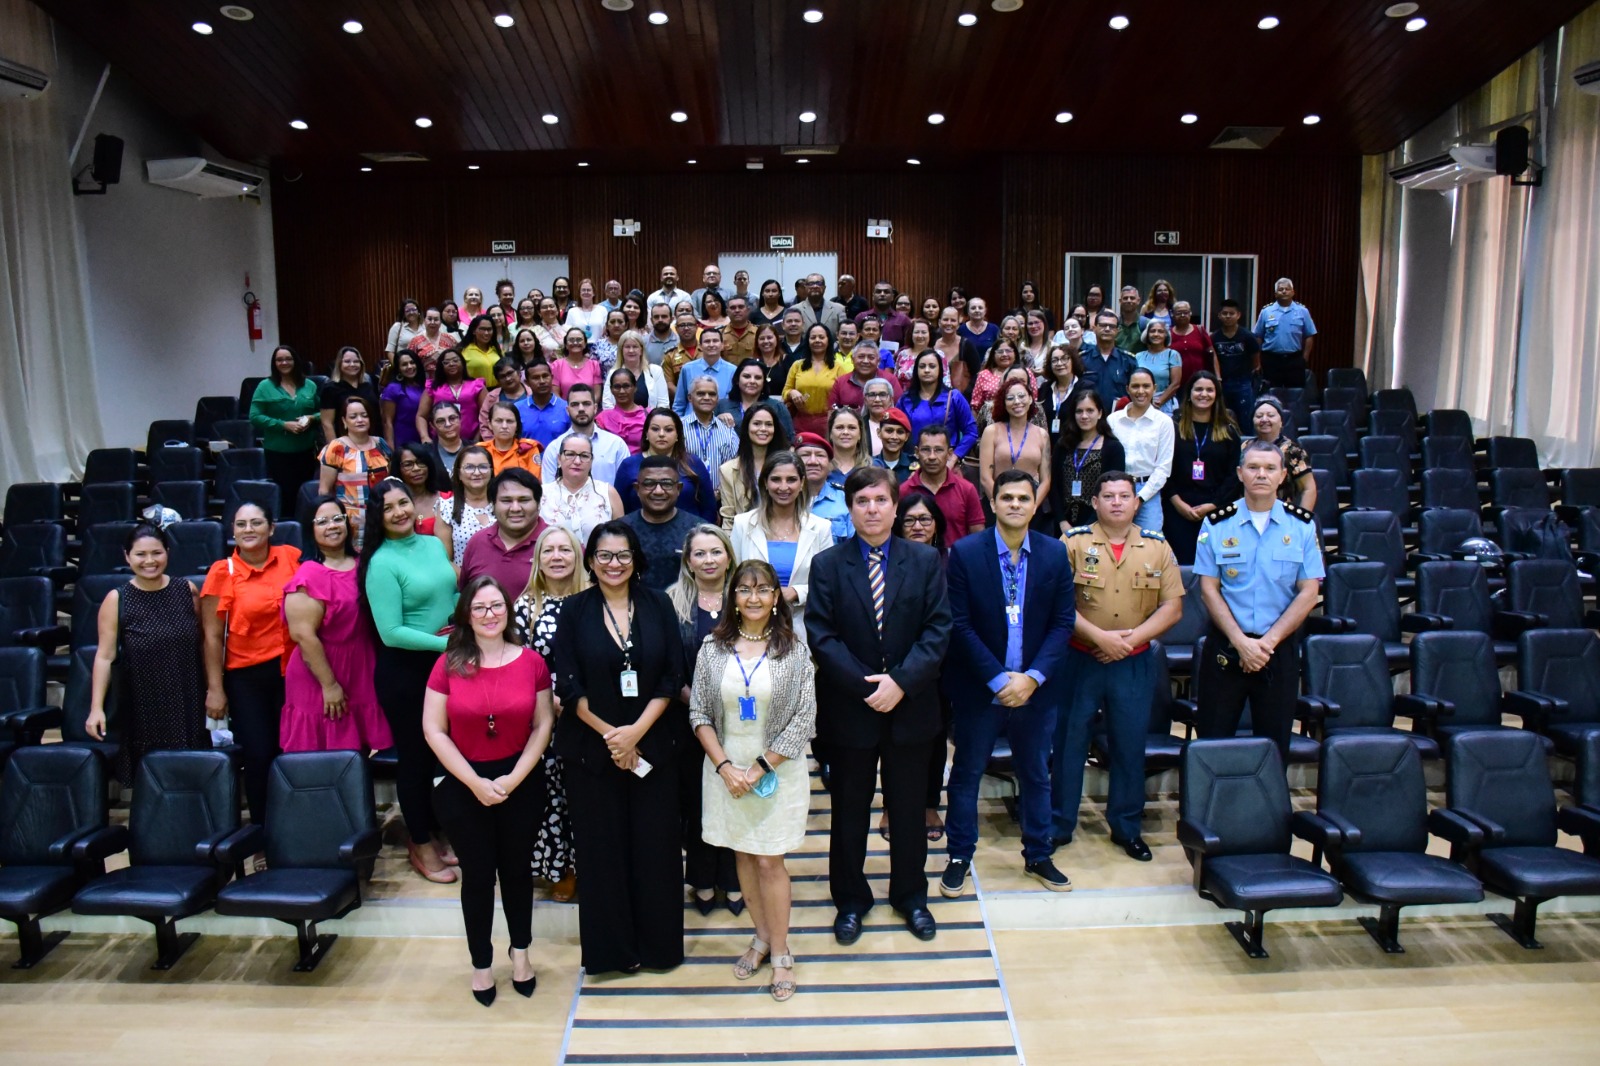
[(348, 250)]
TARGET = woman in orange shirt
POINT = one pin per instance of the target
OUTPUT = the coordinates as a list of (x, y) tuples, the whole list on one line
[(506, 444), (241, 609)]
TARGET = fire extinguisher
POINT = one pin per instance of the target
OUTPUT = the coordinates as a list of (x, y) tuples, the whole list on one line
[(252, 312)]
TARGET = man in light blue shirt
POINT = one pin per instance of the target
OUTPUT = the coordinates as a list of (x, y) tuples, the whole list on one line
[(1287, 334), (1260, 568), (544, 414), (708, 363)]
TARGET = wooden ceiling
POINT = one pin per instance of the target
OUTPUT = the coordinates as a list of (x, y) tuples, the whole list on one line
[(744, 70)]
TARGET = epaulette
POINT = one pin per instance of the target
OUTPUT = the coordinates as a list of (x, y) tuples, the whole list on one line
[(1151, 534), (1226, 512), (1078, 530), (1300, 512)]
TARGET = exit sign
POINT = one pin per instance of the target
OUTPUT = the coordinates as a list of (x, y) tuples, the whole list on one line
[(510, 247), (776, 241), (1167, 237)]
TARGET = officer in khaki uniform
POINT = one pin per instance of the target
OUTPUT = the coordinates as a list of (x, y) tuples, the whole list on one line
[(1129, 592)]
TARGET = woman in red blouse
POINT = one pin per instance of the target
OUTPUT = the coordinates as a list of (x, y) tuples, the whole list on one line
[(487, 715)]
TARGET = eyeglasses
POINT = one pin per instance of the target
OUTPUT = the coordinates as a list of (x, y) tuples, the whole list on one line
[(919, 520), (412, 464), (745, 592), (488, 610), (476, 468), (606, 558), (575, 455), (657, 486), (332, 520)]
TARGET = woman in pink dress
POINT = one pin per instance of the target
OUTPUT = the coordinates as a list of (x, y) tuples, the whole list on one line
[(575, 364), (329, 700)]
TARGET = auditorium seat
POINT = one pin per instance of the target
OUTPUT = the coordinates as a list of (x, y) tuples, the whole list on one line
[(37, 549), (251, 490), (1550, 590), (1348, 377), (290, 533), (1501, 820), (320, 810), (1396, 400), (28, 614), (1343, 398), (1449, 453), (1235, 823), (185, 463), (1587, 785), (167, 432), (1518, 487), (1326, 453), (114, 501), (1580, 488), (1442, 530), (1303, 749), (1386, 453), (1459, 592), (209, 410), (1455, 685), (1178, 642), (1375, 536), (188, 498), (1558, 686), (1161, 746), (103, 550), (1348, 691), (185, 803), (1339, 423), (233, 465), (29, 502), (1456, 488), (1361, 598), (1372, 826), (247, 392), (237, 432), (1297, 406), (195, 546), (53, 810), (1380, 489), (1326, 509), (75, 702), (87, 594), (1511, 453), (1448, 422), (1396, 423), (25, 712)]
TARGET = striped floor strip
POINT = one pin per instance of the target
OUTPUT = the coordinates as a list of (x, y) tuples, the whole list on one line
[(888, 999)]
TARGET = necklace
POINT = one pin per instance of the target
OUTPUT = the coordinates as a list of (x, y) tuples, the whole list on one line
[(715, 610), (755, 638)]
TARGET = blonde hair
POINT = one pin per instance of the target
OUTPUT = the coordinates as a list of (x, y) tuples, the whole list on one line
[(684, 592), (538, 588)]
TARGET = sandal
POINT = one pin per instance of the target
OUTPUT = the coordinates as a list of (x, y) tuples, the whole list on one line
[(563, 890), (744, 970), (783, 990)]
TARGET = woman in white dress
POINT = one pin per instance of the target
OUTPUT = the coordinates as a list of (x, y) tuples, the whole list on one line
[(753, 709)]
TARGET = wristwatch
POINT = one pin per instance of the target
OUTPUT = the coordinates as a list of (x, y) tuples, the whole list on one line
[(761, 761)]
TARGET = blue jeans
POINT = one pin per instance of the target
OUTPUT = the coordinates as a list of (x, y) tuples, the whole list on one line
[(1240, 397), (975, 730), (1122, 690), (1150, 515)]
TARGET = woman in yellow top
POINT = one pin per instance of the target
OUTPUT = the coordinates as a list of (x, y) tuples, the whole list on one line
[(481, 352), (507, 446), (810, 378)]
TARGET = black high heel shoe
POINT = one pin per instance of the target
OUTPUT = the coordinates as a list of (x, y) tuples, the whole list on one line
[(735, 906), (524, 988), (484, 995), (707, 905)]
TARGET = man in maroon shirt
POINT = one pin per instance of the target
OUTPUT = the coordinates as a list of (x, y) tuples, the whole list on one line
[(849, 391), (895, 324), (963, 511), (505, 550)]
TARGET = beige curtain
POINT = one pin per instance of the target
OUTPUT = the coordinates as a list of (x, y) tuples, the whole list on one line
[(1558, 398), (48, 407)]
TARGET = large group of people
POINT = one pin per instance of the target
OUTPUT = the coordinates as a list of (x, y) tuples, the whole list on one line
[(613, 566)]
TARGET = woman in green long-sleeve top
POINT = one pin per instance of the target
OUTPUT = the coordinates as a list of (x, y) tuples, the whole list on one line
[(408, 587), (283, 411)]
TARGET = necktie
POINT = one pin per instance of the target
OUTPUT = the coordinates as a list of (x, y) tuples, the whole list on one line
[(875, 582)]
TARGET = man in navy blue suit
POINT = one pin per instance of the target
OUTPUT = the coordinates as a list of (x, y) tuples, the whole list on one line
[(1012, 615)]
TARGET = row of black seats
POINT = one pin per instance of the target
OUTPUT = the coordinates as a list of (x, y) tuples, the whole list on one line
[(1372, 825), (185, 844)]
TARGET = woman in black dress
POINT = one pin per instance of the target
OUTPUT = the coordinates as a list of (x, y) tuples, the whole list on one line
[(618, 679), (151, 627), (1085, 450), (1205, 463)]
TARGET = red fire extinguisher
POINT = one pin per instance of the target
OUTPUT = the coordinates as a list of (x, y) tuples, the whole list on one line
[(252, 312)]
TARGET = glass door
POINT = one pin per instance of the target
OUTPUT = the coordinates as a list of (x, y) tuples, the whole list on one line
[(1233, 277), (1087, 270), (1186, 274)]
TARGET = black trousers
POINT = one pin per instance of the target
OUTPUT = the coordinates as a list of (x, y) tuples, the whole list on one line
[(1283, 370), (290, 470), (255, 711), (400, 678), (939, 754), (630, 883), (704, 866), (493, 842), (905, 796), (1271, 693)]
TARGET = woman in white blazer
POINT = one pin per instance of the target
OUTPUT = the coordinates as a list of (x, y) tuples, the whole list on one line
[(782, 531)]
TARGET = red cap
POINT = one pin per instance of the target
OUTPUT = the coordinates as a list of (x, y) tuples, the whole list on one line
[(899, 417), (815, 440)]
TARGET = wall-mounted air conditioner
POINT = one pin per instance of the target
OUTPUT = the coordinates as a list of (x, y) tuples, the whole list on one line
[(20, 82), (200, 178), (1460, 166)]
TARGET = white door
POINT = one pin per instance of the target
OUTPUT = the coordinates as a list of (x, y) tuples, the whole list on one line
[(525, 271), (784, 267)]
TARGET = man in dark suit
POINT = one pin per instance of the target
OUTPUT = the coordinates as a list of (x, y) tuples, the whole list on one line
[(1012, 609), (878, 622)]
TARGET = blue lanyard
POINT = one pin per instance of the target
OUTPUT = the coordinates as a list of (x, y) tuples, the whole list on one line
[(704, 434), (1199, 441), (750, 677), (1013, 572), (1017, 450), (1077, 463)]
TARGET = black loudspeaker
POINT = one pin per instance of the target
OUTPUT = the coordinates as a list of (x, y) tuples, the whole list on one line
[(1511, 150), (107, 168)]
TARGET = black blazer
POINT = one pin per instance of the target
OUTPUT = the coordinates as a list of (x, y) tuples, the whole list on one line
[(588, 663), (844, 640)]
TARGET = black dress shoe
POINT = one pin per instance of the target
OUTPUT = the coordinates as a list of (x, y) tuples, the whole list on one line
[(484, 995), (735, 906), (1136, 848), (705, 906), (524, 988), (826, 777), (920, 921), (847, 928)]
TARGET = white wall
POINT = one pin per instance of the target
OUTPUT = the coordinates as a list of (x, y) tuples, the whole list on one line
[(166, 269)]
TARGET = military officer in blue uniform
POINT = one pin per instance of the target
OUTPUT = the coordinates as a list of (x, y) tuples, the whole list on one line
[(1259, 565), (1286, 333)]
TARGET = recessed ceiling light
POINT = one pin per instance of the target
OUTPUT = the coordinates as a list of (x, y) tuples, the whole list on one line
[(679, 116), (472, 166), (802, 160), (812, 15), (1119, 22), (1189, 119), (1268, 23), (1006, 5), (299, 124), (1400, 11), (1063, 116), (366, 170), (203, 29), (658, 18), (550, 120), (1413, 25), (967, 18), (353, 26), (914, 162), (692, 162), (424, 123), (808, 116), (935, 119), (237, 13), (583, 164), (1311, 120), (617, 5), (505, 22)]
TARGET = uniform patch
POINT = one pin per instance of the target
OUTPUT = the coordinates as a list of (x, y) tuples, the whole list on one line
[(1232, 572), (1216, 517), (1230, 542), (1150, 534)]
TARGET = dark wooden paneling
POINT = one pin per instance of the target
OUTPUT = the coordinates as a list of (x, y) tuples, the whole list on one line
[(1301, 216)]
